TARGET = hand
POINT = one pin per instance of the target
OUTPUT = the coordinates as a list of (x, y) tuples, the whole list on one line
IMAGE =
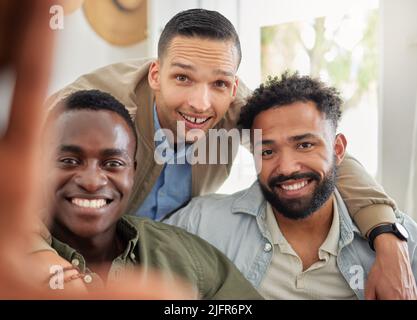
[(28, 56), (134, 284), (391, 277), (147, 284), (26, 49)]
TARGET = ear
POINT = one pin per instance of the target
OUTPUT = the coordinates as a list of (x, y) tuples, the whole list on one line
[(154, 75), (234, 88), (340, 144)]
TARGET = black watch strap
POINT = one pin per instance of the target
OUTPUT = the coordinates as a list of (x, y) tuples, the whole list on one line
[(385, 228)]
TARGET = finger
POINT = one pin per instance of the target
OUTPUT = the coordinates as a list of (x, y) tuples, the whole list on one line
[(30, 59), (31, 63), (370, 292), (32, 50)]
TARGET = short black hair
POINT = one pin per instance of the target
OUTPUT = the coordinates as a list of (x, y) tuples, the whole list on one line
[(201, 23), (290, 88), (96, 100)]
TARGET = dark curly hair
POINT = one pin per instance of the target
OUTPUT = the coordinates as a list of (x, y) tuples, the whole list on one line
[(290, 88), (94, 100)]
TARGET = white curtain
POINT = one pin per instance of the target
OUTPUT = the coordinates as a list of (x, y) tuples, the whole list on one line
[(411, 204)]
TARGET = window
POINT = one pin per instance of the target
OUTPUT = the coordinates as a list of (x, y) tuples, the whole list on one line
[(338, 43)]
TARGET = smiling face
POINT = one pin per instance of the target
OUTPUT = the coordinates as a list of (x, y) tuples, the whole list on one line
[(299, 154), (194, 82), (92, 172)]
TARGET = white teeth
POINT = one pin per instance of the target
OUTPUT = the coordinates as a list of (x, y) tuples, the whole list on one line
[(194, 119), (84, 203), (295, 186)]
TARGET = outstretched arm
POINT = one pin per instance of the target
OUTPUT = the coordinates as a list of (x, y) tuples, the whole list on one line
[(391, 276), (26, 50), (367, 202)]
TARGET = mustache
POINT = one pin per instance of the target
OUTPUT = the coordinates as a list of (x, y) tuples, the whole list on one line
[(295, 176)]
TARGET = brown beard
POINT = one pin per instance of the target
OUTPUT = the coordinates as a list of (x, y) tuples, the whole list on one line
[(302, 208)]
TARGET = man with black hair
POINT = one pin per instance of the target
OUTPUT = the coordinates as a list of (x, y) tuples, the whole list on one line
[(290, 233), (92, 142), (193, 87)]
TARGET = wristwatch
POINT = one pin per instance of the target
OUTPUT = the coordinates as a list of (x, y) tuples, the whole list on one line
[(394, 228)]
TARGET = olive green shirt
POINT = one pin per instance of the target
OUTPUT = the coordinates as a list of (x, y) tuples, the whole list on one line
[(173, 251)]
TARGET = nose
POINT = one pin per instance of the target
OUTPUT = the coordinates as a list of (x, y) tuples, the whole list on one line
[(91, 179), (200, 99), (287, 163)]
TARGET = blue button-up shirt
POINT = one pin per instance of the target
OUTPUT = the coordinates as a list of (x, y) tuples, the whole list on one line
[(236, 225), (173, 187)]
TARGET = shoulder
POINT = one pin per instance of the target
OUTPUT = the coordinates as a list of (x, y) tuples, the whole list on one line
[(174, 239), (188, 249), (125, 68), (211, 206), (162, 231), (226, 221), (119, 79)]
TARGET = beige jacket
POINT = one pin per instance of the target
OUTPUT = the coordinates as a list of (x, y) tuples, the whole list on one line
[(128, 82)]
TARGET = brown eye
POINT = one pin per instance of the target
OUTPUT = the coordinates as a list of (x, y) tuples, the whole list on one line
[(113, 164), (69, 161), (181, 78), (305, 145), (220, 84), (267, 153)]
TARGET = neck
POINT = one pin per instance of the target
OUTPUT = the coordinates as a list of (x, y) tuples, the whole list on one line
[(307, 235), (97, 250), (318, 223)]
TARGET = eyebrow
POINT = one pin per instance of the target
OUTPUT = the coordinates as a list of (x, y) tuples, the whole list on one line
[(303, 136), (111, 152), (192, 68), (264, 142), (183, 66), (114, 153), (70, 149), (293, 139)]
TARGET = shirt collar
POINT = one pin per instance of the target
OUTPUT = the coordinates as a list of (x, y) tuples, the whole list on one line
[(69, 254), (331, 243), (276, 235), (124, 228), (348, 229), (252, 202), (130, 235)]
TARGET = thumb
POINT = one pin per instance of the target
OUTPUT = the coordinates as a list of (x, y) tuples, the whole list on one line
[(370, 290)]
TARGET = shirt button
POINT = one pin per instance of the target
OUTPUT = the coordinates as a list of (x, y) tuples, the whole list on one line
[(75, 262), (299, 282), (88, 278), (268, 247), (132, 256)]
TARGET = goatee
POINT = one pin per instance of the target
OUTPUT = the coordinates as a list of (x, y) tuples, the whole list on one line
[(300, 208)]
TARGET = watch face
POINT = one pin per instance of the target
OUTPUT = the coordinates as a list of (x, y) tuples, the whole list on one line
[(401, 230)]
